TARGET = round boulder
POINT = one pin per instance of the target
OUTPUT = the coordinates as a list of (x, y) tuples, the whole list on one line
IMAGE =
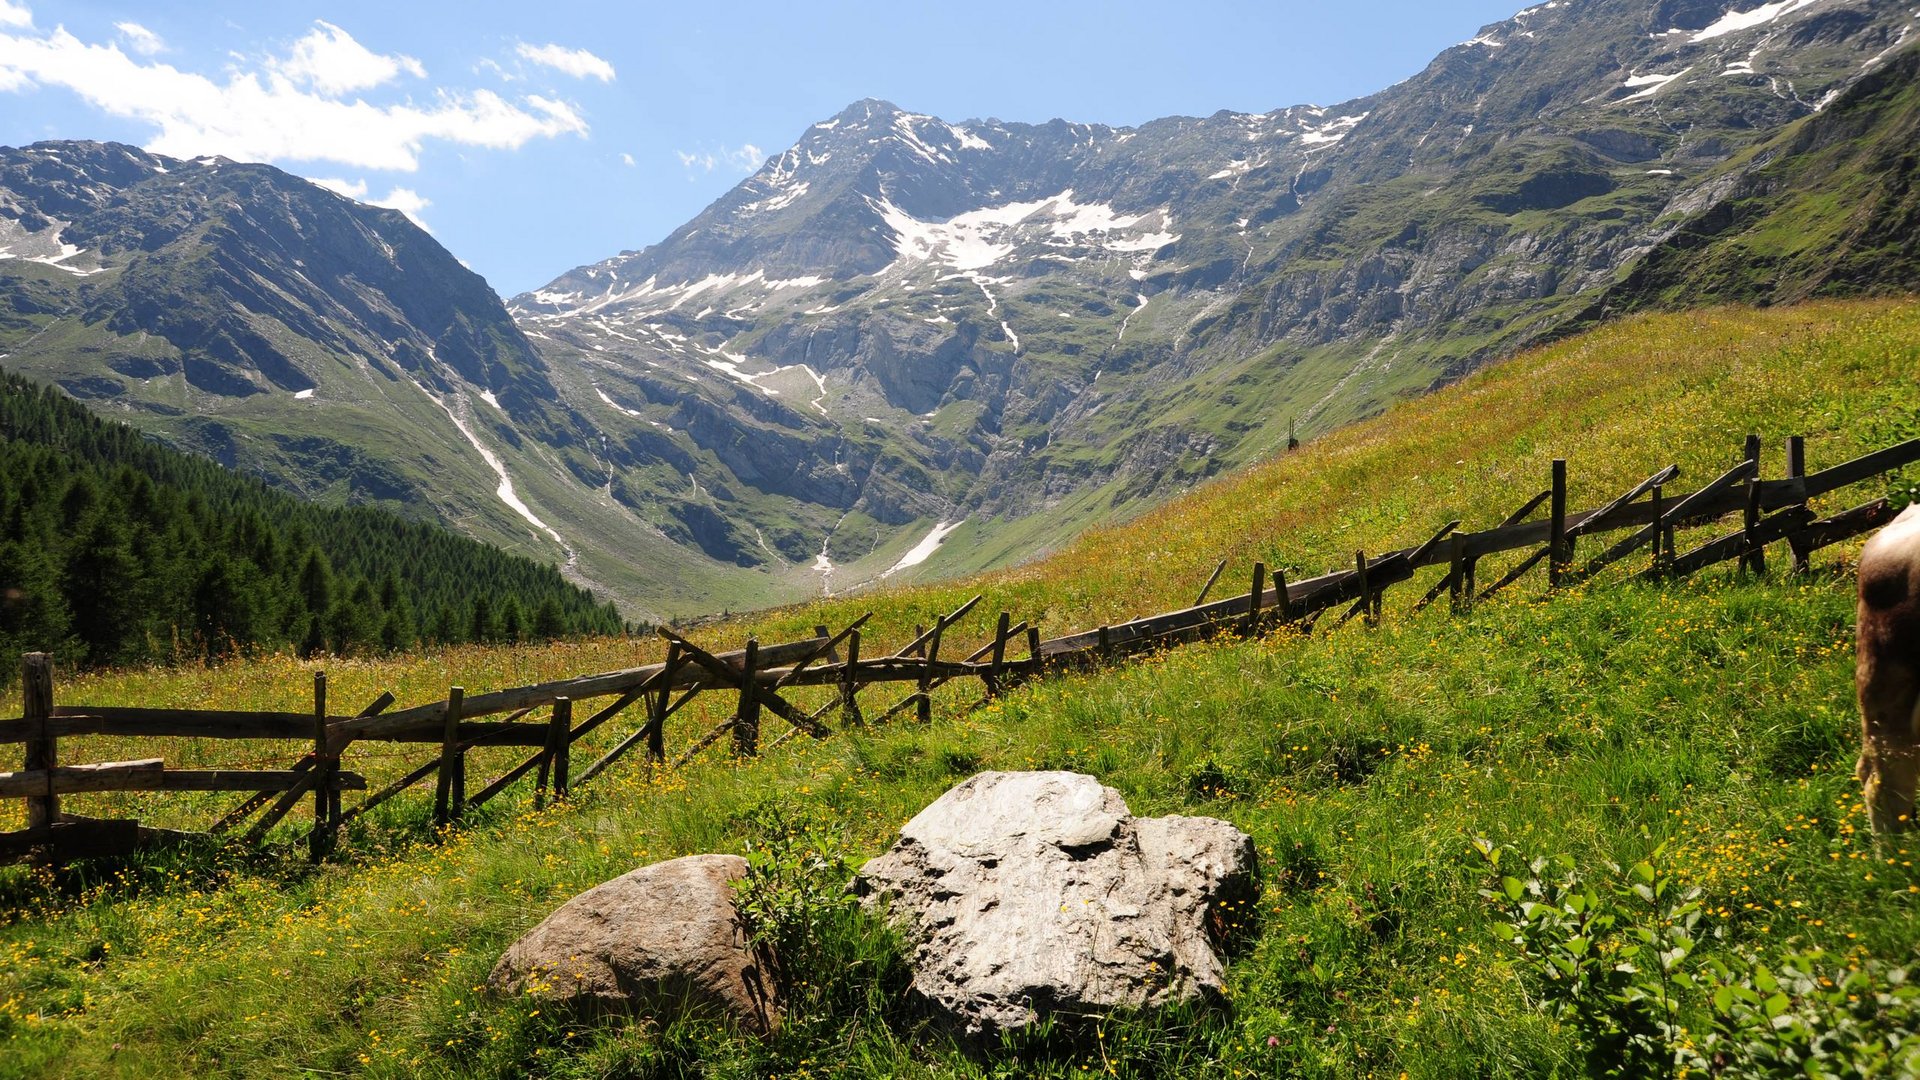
[(652, 942), (1039, 892)]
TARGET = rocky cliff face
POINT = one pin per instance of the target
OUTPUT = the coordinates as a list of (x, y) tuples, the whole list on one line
[(903, 323)]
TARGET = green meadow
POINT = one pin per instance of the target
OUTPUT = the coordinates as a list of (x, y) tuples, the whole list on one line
[(1688, 746)]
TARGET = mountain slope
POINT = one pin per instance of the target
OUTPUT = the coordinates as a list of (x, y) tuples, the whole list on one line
[(908, 347), (1031, 327), (1832, 208)]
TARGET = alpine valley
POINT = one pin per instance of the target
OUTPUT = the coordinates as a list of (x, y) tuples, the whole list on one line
[(908, 346)]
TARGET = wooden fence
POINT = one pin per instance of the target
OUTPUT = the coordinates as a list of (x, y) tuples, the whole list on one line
[(758, 676)]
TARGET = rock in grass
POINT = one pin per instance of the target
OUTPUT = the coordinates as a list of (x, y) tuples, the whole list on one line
[(652, 942), (1039, 892)]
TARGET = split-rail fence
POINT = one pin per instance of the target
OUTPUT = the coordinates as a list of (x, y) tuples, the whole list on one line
[(1771, 511)]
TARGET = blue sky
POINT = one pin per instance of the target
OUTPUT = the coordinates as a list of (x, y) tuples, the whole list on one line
[(531, 138)]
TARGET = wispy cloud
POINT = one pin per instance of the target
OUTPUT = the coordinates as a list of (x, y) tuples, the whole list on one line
[(140, 39), (405, 200), (627, 160), (15, 15), (745, 158), (329, 61), (578, 63), (288, 108)]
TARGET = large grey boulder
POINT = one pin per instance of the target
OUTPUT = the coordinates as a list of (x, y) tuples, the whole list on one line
[(651, 942), (1036, 892)]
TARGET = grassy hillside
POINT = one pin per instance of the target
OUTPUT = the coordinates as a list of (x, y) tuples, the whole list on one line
[(1706, 727)]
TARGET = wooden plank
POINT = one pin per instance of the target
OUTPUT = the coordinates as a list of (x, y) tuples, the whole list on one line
[(1208, 587), (585, 686), (263, 781), (703, 742), (1846, 524), (825, 649), (1736, 544), (432, 766), (1861, 468), (1697, 503), (308, 777), (850, 685), (65, 839), (74, 779), (174, 723), (151, 774), (42, 749), (1253, 602), (939, 624)]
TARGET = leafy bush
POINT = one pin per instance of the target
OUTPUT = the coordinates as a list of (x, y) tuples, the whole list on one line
[(1613, 962)]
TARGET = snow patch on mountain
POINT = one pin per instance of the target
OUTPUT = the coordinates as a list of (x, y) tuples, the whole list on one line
[(1332, 131), (1735, 21), (925, 548), (979, 238), (1653, 84)]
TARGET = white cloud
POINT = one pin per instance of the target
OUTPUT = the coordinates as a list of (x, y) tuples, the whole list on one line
[(15, 15), (627, 160), (330, 62), (286, 111), (405, 200), (140, 39), (352, 189), (578, 63), (746, 158)]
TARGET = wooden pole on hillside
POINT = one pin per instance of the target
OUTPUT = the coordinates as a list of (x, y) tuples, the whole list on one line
[(746, 728), (850, 683), (1754, 554), (1557, 554), (1797, 470), (320, 840), (445, 798), (42, 753)]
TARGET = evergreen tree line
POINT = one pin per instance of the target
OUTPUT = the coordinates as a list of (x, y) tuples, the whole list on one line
[(114, 549)]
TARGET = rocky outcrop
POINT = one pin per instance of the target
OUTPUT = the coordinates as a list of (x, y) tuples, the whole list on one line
[(652, 942), (1039, 892)]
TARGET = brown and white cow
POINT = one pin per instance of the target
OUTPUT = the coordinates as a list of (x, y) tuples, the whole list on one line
[(1887, 671)]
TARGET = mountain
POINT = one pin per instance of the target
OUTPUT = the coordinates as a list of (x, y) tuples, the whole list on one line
[(1030, 327), (909, 346)]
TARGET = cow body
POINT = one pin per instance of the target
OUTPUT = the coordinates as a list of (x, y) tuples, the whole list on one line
[(1887, 671)]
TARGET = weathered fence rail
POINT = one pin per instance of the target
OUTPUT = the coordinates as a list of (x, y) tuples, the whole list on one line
[(759, 675)]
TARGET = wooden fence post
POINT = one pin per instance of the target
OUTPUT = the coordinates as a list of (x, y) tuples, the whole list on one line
[(1280, 595), (1754, 555), (923, 708), (1659, 500), (1033, 650), (560, 734), (999, 654), (746, 724), (320, 840), (448, 794), (1797, 470), (1457, 576), (1253, 597), (1366, 591), (36, 684), (1557, 554), (657, 708), (850, 683)]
